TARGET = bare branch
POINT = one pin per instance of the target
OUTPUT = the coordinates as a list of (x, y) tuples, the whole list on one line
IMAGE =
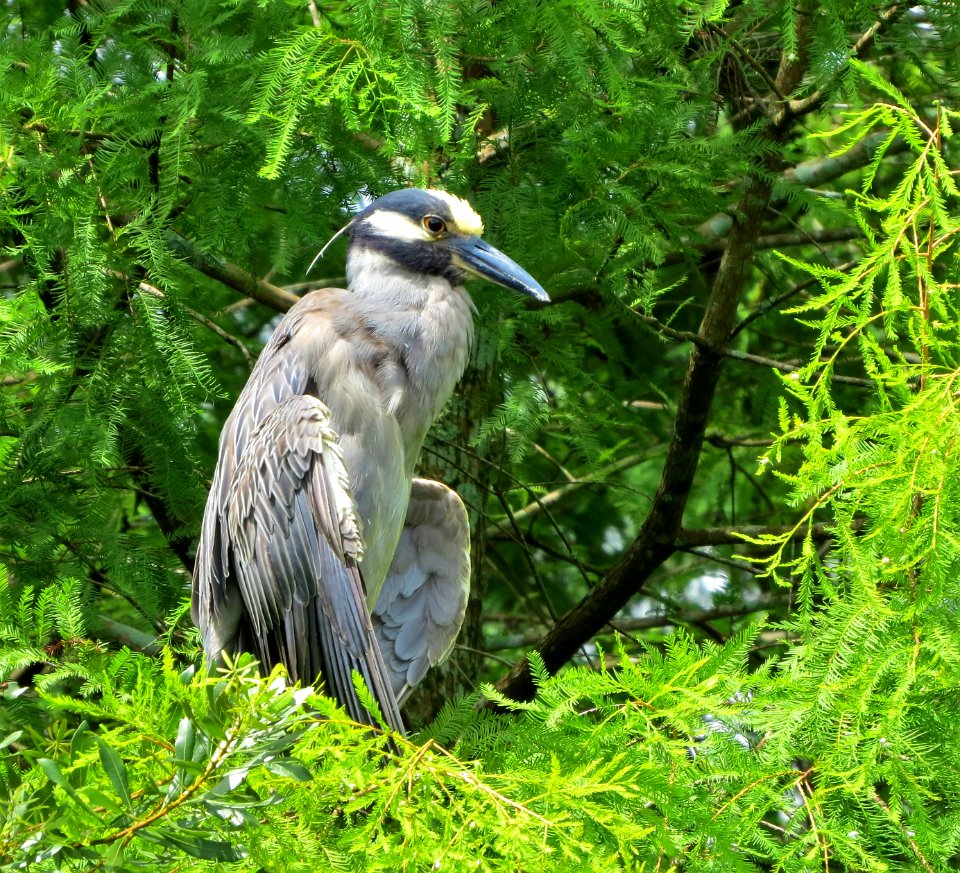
[(697, 339), (808, 174), (774, 302), (300, 288), (722, 441), (734, 564), (797, 108), (657, 538), (231, 275), (736, 534), (535, 507), (207, 323), (813, 173), (807, 237), (784, 367), (655, 541), (649, 622)]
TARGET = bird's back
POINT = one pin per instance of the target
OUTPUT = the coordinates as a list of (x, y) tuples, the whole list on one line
[(383, 364), (319, 453)]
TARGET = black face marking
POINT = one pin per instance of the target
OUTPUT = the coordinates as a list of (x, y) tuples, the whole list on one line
[(432, 258), (429, 257), (419, 256)]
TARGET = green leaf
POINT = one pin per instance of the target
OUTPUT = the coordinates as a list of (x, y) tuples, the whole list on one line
[(231, 780), (54, 774), (191, 844), (10, 738), (116, 770), (82, 731), (183, 747), (291, 768)]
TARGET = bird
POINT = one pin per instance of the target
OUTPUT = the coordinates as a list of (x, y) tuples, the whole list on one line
[(320, 549)]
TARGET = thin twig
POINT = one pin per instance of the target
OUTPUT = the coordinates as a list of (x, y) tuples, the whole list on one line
[(735, 354), (798, 108), (774, 302), (739, 534), (537, 506), (207, 323)]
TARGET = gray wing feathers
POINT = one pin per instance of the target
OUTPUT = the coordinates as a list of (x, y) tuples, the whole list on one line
[(295, 540), (217, 607), (420, 609)]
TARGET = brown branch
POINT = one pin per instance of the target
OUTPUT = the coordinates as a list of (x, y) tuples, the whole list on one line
[(739, 565), (535, 507), (784, 367), (773, 302), (649, 622), (697, 339), (171, 527), (803, 238), (808, 174), (207, 323), (813, 173), (722, 441), (31, 376), (567, 557), (230, 275), (798, 108), (656, 541), (736, 534)]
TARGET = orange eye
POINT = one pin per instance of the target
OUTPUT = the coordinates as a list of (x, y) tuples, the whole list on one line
[(434, 224)]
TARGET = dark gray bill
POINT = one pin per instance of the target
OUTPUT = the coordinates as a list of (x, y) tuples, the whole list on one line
[(482, 259)]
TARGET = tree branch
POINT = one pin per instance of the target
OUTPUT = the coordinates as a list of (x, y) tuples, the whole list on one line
[(230, 275), (657, 537), (773, 302), (803, 238), (735, 534), (808, 174), (207, 323), (697, 339), (798, 108), (535, 507), (784, 367), (655, 542), (648, 622)]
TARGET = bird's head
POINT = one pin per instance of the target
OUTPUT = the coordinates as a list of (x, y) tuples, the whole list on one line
[(434, 233)]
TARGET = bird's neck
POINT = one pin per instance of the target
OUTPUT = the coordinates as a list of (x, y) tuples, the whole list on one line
[(427, 322)]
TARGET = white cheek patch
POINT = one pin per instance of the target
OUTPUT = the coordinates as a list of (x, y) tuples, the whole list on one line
[(396, 226), (465, 219)]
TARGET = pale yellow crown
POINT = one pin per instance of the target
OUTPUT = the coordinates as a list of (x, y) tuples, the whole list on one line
[(466, 220)]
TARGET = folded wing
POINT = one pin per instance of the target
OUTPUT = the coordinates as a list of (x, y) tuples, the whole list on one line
[(293, 547), (421, 606)]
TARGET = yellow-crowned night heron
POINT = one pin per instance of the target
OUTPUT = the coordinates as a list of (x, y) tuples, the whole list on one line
[(319, 550)]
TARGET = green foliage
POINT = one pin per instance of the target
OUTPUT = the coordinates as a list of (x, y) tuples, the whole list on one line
[(886, 469), (680, 754), (608, 146)]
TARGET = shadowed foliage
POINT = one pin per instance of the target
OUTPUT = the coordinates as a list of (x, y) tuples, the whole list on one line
[(731, 437)]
